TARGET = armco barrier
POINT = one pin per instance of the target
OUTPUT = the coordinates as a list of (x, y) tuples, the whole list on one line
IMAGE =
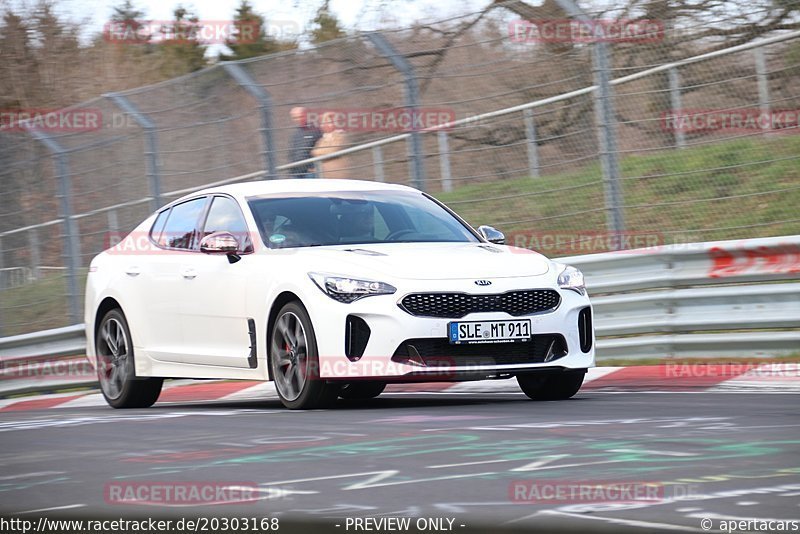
[(51, 359), (720, 299)]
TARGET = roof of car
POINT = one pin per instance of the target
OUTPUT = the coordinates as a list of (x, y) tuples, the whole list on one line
[(265, 187)]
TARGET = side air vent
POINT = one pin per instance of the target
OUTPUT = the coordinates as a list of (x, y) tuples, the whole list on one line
[(585, 330), (357, 334), (252, 358)]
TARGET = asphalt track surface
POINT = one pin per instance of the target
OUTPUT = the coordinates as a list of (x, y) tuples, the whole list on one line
[(718, 456)]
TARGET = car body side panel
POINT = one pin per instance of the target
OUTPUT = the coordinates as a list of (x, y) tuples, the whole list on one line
[(214, 312)]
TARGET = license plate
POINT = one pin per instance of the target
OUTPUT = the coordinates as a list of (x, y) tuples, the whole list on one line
[(489, 331)]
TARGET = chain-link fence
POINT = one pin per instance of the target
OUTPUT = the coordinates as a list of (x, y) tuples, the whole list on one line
[(690, 141)]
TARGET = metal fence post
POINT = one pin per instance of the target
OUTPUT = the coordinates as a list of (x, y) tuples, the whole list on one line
[(33, 242), (533, 147), (412, 104), (444, 161), (763, 84), (114, 236), (675, 102), (151, 151), (608, 144), (71, 250), (243, 78), (606, 124), (113, 221), (377, 163)]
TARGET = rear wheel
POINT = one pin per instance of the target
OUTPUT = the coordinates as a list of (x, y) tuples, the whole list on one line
[(116, 369), (294, 361), (551, 386), (361, 390)]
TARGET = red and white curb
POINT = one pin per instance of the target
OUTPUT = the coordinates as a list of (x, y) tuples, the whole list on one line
[(715, 378)]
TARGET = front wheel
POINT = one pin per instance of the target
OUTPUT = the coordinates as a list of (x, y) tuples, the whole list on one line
[(551, 386), (294, 361), (116, 369)]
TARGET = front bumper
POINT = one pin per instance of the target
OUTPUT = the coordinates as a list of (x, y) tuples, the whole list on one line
[(391, 330)]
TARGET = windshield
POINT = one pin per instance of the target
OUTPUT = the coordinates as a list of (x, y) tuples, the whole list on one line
[(354, 218)]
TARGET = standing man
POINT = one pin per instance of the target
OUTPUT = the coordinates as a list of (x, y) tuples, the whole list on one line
[(303, 140)]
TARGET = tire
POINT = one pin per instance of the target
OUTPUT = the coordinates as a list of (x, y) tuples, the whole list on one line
[(361, 390), (294, 361), (116, 368), (551, 386)]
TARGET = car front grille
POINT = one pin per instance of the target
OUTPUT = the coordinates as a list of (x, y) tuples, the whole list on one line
[(455, 305), (438, 352)]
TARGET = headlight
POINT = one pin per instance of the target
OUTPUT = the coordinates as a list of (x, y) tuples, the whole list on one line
[(344, 289), (572, 278)]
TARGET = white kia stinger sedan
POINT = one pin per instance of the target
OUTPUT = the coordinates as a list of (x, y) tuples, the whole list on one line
[(329, 288)]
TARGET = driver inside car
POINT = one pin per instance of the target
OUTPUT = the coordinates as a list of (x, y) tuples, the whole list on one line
[(357, 224)]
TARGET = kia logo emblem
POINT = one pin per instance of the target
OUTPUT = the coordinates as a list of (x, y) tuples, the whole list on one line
[(483, 282)]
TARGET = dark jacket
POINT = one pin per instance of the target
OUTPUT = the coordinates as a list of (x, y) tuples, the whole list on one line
[(303, 140)]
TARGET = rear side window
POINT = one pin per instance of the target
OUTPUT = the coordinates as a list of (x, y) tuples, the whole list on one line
[(181, 228), (158, 226)]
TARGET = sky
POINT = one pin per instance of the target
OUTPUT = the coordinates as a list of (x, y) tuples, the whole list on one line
[(283, 14)]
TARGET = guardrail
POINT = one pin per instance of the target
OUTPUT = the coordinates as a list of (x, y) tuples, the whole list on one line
[(43, 361), (725, 298), (720, 299)]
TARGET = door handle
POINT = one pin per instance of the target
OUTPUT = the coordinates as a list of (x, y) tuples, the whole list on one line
[(133, 270), (189, 274)]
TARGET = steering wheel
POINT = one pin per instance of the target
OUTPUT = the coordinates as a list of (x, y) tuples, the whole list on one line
[(399, 233)]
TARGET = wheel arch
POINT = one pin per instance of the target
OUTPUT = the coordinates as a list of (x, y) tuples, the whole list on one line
[(105, 306), (280, 301)]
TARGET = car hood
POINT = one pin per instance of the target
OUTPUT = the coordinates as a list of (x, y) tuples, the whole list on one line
[(426, 261)]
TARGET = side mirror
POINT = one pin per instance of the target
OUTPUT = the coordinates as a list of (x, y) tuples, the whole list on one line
[(221, 243), (492, 235)]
